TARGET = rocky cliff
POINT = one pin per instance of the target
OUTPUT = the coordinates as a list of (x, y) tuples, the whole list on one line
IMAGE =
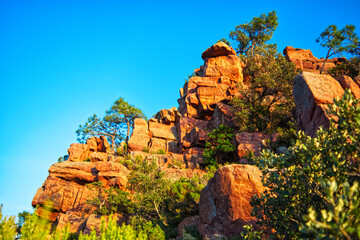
[(182, 133)]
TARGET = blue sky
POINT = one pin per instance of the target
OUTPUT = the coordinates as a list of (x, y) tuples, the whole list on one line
[(62, 61)]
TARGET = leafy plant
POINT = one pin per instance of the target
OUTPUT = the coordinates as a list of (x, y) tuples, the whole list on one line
[(7, 226), (220, 147), (160, 151), (341, 218), (294, 180), (338, 40), (350, 68)]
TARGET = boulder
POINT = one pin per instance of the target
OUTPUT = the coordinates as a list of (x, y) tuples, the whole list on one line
[(347, 83), (251, 142), (218, 49), (224, 206), (184, 127), (222, 115), (168, 116), (312, 93), (140, 137)]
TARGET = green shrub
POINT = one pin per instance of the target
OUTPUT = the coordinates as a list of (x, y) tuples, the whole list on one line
[(350, 68), (220, 147), (160, 151), (146, 149), (7, 226), (341, 218), (295, 180)]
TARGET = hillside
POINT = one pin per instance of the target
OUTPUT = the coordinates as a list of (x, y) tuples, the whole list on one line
[(176, 139)]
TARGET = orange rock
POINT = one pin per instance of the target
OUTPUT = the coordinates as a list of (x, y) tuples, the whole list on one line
[(224, 206), (184, 127), (357, 80), (218, 49), (312, 93), (140, 137), (347, 83), (250, 142), (164, 131)]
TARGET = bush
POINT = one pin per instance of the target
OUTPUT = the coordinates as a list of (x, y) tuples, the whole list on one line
[(160, 151), (294, 181), (350, 68), (7, 226), (220, 147)]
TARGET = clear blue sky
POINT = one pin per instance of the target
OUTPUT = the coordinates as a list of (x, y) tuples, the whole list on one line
[(62, 61)]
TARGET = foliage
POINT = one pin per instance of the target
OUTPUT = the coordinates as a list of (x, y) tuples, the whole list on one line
[(160, 151), (110, 231), (255, 34), (341, 219), (338, 40), (225, 41), (63, 158), (250, 234), (7, 226), (121, 112), (95, 127), (294, 180), (191, 233), (154, 198), (350, 68), (266, 102), (220, 147), (146, 149), (116, 124)]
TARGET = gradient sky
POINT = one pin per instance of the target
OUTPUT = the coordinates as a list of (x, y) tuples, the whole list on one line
[(62, 61)]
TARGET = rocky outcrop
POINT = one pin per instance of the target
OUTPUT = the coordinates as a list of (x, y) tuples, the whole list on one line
[(305, 60), (67, 190), (202, 107), (224, 206), (79, 152), (214, 82)]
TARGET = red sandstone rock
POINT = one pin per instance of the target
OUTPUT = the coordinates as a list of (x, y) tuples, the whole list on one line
[(357, 80), (305, 60), (215, 81), (222, 115), (184, 127), (140, 137), (250, 142), (347, 83), (168, 116), (312, 93), (194, 157), (218, 49), (94, 222), (224, 206)]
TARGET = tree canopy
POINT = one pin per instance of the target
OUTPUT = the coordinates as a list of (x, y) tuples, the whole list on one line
[(338, 41), (256, 33), (116, 125)]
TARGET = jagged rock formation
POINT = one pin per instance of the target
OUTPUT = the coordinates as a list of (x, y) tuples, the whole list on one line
[(224, 206), (305, 60), (203, 106)]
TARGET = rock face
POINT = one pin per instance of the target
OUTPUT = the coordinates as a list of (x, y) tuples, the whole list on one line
[(79, 152), (202, 107), (214, 82), (66, 188), (224, 206), (305, 60), (312, 93)]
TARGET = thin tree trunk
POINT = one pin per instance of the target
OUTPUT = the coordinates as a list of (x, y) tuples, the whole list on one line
[(128, 131), (327, 56)]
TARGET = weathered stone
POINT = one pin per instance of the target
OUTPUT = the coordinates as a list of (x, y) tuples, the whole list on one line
[(188, 222), (312, 93), (163, 131), (347, 83), (224, 206), (218, 49), (250, 142), (222, 115), (78, 152), (99, 156), (140, 137), (168, 116), (184, 128)]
